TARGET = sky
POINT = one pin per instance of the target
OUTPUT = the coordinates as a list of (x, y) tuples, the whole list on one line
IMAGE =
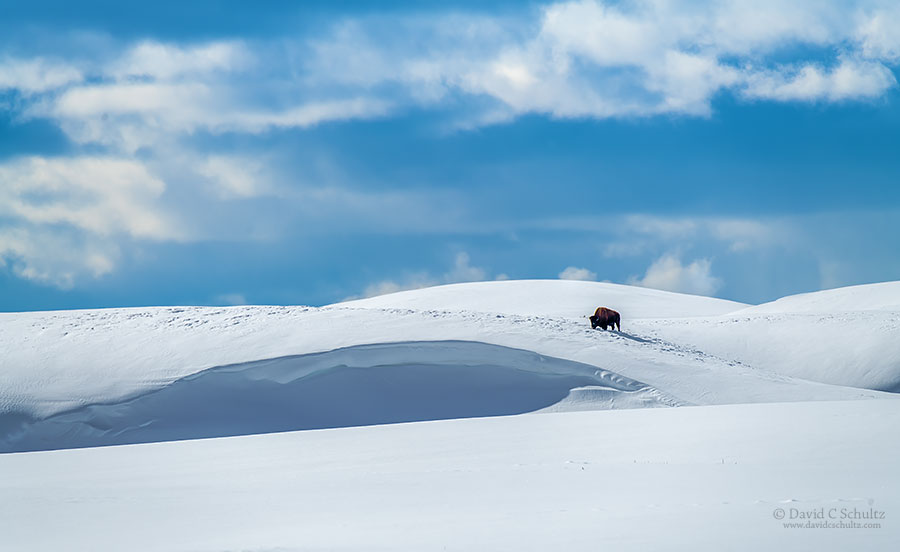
[(218, 153)]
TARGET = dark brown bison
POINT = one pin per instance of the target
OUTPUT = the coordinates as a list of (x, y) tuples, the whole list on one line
[(604, 317)]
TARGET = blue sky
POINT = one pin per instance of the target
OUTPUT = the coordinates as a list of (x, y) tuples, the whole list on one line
[(222, 153)]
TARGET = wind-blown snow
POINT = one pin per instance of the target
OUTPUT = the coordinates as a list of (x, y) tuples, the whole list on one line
[(697, 478), (363, 385), (82, 378), (642, 468), (847, 336)]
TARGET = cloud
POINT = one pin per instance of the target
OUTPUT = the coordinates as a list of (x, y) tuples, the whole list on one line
[(575, 273), (99, 195), (669, 274), (804, 242), (389, 286), (155, 93), (155, 60), (462, 271), (742, 234), (638, 234), (234, 177), (96, 206), (850, 79), (613, 59), (149, 113), (48, 256), (570, 59), (31, 76), (62, 219), (132, 115), (230, 299), (877, 33)]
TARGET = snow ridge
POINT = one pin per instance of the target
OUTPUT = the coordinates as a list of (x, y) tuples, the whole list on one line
[(354, 386)]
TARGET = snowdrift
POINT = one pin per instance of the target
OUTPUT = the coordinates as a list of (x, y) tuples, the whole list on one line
[(698, 478), (847, 336), (114, 376), (365, 385)]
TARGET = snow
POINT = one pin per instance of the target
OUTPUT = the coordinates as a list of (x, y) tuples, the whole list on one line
[(695, 478), (96, 370), (364, 385), (883, 296), (847, 336), (554, 298), (471, 416)]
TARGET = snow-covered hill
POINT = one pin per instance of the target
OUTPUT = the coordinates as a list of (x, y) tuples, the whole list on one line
[(883, 296), (633, 471), (83, 378), (551, 298), (847, 336)]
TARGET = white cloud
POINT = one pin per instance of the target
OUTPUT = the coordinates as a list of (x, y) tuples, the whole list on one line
[(602, 33), (230, 299), (63, 218), (462, 271), (95, 194), (582, 58), (570, 59), (877, 33), (667, 227), (604, 59), (67, 219), (850, 79), (128, 116), (389, 286), (637, 234), (411, 281), (234, 177), (669, 274), (577, 59), (155, 60), (171, 101), (305, 115), (49, 256), (575, 273), (36, 75), (745, 234)]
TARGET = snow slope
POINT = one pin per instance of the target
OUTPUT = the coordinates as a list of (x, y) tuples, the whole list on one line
[(555, 298), (883, 296), (847, 336), (83, 378), (700, 426), (697, 478), (363, 385)]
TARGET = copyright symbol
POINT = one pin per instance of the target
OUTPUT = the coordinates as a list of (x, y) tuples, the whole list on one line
[(778, 513)]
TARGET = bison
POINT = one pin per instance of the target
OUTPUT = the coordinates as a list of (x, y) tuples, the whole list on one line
[(604, 317)]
